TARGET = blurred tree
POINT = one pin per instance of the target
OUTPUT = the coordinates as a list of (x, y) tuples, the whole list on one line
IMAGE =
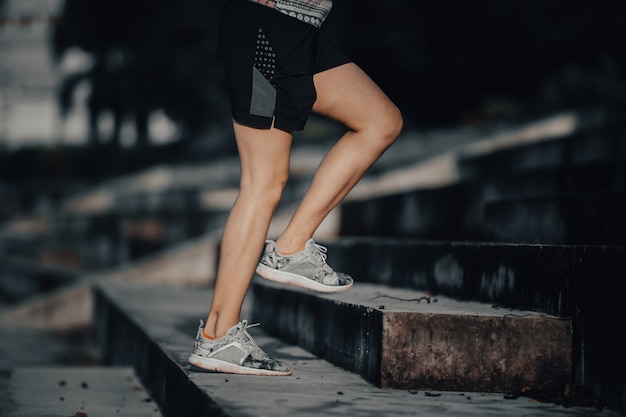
[(147, 55)]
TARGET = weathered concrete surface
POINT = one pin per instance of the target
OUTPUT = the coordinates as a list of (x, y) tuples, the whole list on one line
[(153, 328), (475, 352), (66, 392), (399, 338), (25, 347), (583, 282)]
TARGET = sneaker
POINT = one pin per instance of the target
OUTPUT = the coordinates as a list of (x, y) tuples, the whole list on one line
[(234, 353), (306, 269)]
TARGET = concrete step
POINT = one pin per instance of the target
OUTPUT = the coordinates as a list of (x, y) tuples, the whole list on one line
[(405, 339), (604, 143), (434, 213), (22, 347), (102, 241), (582, 282), (456, 212), (574, 219), (23, 277), (587, 177), (589, 160), (153, 328), (537, 277), (77, 392)]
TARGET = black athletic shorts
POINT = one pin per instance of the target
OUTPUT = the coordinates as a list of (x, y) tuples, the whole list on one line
[(270, 59)]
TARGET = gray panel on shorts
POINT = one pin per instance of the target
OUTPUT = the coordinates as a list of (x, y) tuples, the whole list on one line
[(263, 101)]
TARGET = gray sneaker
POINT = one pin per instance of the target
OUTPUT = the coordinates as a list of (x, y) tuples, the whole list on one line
[(234, 353), (306, 269)]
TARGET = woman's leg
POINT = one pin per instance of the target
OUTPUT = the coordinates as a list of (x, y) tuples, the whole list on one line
[(347, 94), (264, 156)]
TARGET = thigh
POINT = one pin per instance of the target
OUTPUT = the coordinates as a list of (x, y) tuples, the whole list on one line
[(264, 155), (347, 94)]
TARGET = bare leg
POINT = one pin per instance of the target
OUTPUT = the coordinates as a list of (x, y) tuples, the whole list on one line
[(344, 93), (264, 156), (347, 94)]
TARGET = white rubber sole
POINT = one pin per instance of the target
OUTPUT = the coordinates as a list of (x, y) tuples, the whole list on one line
[(288, 278), (216, 365)]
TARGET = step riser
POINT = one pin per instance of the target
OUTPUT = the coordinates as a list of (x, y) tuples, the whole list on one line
[(421, 351), (593, 219), (34, 279), (475, 353), (346, 336), (580, 148), (600, 337), (588, 161), (432, 214), (601, 176), (583, 282), (103, 241), (530, 277), (480, 212)]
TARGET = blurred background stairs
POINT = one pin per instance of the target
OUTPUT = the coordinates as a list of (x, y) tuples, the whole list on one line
[(488, 263), (487, 244)]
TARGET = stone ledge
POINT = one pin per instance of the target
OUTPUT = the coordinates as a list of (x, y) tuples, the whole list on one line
[(153, 328), (395, 338)]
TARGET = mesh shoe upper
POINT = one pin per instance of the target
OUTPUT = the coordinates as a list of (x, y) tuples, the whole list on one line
[(236, 347), (309, 263)]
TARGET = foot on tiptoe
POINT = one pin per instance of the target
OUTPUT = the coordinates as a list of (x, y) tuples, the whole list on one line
[(234, 353), (306, 269)]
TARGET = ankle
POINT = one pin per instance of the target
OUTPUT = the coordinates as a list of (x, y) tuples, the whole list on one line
[(208, 336), (289, 252), (287, 248), (219, 322)]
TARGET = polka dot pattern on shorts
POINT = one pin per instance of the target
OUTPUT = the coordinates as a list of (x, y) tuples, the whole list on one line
[(265, 57)]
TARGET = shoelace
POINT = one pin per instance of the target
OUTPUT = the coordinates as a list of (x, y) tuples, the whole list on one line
[(270, 259), (245, 325), (244, 328), (321, 251), (256, 352)]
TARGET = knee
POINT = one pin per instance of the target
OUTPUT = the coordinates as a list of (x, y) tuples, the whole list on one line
[(274, 190), (265, 190), (395, 125), (387, 127)]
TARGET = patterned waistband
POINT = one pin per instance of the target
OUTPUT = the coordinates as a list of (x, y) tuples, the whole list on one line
[(313, 12)]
